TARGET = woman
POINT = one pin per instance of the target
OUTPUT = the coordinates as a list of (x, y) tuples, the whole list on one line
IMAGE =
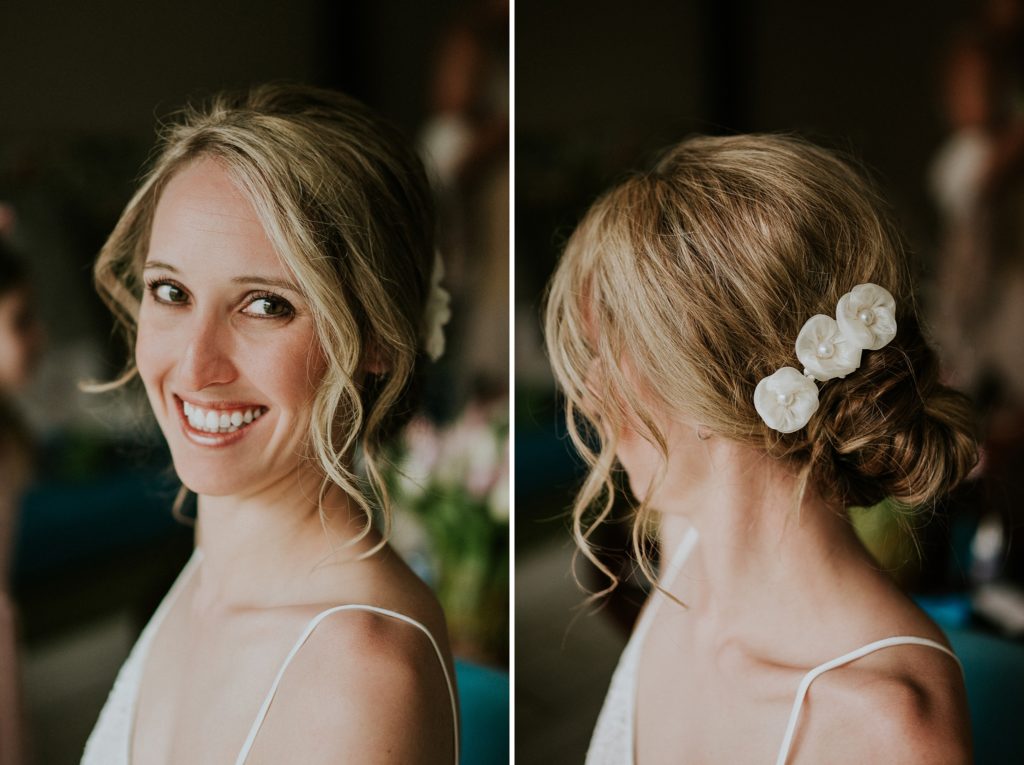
[(20, 344), (680, 308), (273, 273)]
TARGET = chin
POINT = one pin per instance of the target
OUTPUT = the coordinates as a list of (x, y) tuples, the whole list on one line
[(640, 486), (215, 476), (220, 464), (640, 461)]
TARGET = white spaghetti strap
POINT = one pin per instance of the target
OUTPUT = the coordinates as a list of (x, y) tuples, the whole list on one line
[(631, 655), (302, 639), (668, 576), (794, 715), (148, 633), (681, 555)]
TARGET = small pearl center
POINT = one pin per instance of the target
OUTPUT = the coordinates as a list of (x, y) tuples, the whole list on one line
[(825, 350), (867, 316), (785, 399)]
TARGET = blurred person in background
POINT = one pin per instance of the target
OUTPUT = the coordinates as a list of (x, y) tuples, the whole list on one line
[(277, 279), (20, 344), (465, 140), (684, 307), (977, 182)]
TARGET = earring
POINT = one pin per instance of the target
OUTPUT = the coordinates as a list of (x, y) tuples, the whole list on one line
[(703, 433)]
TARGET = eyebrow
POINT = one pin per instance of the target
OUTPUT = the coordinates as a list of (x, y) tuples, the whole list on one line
[(263, 281)]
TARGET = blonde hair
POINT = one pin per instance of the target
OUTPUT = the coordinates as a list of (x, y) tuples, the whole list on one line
[(346, 203), (697, 276)]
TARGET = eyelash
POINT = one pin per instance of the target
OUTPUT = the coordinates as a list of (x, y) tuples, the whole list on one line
[(288, 311), (152, 285)]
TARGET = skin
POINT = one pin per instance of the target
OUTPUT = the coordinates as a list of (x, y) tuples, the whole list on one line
[(768, 595), (222, 322)]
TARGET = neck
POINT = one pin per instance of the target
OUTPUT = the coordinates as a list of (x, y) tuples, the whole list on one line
[(757, 551), (259, 550)]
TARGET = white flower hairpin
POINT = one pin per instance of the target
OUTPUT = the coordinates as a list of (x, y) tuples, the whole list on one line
[(437, 313), (865, 321)]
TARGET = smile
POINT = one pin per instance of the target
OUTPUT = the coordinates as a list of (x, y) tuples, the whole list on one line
[(218, 423)]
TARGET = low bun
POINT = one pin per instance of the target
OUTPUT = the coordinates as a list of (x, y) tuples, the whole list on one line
[(892, 429)]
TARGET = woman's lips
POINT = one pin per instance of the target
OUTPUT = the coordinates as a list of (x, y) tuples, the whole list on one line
[(219, 423)]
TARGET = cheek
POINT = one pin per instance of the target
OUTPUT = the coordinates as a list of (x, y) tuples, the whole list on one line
[(151, 349), (290, 369), (159, 345)]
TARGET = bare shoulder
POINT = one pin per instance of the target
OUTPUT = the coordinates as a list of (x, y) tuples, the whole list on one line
[(367, 686), (905, 704), (375, 654), (383, 649)]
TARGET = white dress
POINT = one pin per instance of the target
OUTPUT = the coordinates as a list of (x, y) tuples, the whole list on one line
[(614, 738), (110, 741)]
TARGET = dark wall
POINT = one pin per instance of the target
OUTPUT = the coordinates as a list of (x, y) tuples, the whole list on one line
[(109, 67), (603, 85)]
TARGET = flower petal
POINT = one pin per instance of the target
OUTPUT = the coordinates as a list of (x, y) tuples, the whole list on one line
[(437, 313), (786, 400), (867, 315), (824, 351)]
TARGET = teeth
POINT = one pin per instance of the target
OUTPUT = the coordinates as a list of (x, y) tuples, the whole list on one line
[(219, 421)]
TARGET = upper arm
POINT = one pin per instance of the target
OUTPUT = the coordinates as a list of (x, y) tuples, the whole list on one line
[(368, 688)]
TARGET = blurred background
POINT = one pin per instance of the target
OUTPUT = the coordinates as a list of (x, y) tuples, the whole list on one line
[(929, 97), (88, 544)]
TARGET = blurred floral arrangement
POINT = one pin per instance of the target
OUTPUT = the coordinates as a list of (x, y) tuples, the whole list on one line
[(450, 485)]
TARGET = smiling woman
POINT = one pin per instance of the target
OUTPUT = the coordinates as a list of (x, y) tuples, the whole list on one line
[(272, 275), (208, 328)]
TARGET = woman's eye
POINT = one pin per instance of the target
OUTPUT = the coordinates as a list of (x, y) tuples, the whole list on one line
[(165, 292), (269, 306)]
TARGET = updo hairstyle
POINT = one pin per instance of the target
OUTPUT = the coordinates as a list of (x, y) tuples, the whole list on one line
[(691, 282)]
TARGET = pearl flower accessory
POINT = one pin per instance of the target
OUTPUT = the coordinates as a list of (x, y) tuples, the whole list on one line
[(824, 350), (828, 348), (437, 313), (786, 400), (867, 314)]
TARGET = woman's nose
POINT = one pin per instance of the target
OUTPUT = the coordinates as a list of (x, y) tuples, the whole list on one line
[(206, 357)]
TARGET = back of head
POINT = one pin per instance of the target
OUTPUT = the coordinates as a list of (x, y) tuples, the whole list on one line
[(699, 275)]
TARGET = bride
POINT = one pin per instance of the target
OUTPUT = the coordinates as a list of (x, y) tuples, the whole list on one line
[(739, 329), (273, 274)]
